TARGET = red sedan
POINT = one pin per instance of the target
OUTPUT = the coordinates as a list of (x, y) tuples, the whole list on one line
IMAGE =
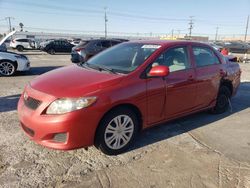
[(107, 100)]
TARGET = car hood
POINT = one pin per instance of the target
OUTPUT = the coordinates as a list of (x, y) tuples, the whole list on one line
[(74, 81), (7, 36), (12, 55)]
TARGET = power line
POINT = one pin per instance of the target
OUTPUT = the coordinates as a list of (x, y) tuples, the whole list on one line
[(77, 11)]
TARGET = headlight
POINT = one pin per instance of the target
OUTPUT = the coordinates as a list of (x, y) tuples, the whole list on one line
[(62, 106), (18, 56), (21, 57)]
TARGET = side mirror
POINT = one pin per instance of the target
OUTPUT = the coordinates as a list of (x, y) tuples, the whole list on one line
[(159, 71), (76, 58)]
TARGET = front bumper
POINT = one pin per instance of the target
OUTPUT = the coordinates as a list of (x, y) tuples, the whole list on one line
[(23, 64), (76, 128)]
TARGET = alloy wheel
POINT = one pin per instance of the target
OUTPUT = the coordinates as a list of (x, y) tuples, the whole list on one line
[(7, 68)]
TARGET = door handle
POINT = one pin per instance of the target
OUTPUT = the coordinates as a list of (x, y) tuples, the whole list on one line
[(223, 73)]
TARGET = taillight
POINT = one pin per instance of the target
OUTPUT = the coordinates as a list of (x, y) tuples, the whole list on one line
[(79, 49)]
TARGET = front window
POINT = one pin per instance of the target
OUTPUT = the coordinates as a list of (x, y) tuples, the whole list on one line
[(175, 58), (123, 58)]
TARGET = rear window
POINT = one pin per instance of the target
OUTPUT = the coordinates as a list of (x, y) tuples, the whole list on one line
[(115, 42), (204, 56), (22, 40), (105, 44), (83, 43)]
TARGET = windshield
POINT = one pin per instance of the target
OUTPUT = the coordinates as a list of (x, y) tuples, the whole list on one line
[(123, 58)]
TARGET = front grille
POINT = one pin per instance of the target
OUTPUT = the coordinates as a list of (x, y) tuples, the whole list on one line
[(32, 103)]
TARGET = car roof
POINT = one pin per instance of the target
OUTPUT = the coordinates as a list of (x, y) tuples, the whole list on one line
[(168, 42), (20, 38), (103, 40)]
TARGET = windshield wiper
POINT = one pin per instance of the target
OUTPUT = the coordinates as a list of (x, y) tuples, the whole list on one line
[(85, 65), (99, 68), (108, 69)]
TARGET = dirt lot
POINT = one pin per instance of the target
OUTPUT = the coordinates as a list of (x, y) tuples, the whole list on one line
[(201, 150)]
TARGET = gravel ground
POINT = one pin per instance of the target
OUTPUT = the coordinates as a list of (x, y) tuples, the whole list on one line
[(201, 150)]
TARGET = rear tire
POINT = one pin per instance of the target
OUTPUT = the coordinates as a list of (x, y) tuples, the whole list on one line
[(20, 48), (222, 101), (117, 131)]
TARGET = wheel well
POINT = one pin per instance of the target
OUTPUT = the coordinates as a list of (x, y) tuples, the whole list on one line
[(128, 106), (19, 45), (228, 84), (14, 62)]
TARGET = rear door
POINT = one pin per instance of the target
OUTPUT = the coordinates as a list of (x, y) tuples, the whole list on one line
[(67, 46), (208, 75), (63, 46), (56, 45), (23, 42), (26, 43)]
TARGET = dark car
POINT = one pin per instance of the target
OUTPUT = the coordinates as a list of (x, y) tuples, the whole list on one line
[(87, 49), (56, 46), (237, 47), (3, 48)]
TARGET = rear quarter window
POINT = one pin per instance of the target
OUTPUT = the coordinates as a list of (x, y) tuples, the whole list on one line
[(115, 42)]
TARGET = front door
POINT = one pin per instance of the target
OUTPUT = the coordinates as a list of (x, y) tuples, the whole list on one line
[(180, 84), (156, 100)]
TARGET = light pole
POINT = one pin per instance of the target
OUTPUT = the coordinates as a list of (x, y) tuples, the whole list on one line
[(245, 38), (216, 34), (9, 20), (105, 20)]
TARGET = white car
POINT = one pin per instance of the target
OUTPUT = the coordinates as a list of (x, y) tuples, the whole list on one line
[(11, 62), (22, 43)]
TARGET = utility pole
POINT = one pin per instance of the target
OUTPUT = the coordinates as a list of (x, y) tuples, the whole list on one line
[(172, 34), (245, 39), (9, 20), (105, 20), (179, 31), (191, 23), (216, 34)]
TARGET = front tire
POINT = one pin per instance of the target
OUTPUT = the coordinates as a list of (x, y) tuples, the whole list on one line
[(7, 68), (222, 102), (117, 131), (51, 51)]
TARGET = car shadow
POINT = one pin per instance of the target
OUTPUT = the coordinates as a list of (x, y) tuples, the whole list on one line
[(182, 125), (37, 70), (9, 103)]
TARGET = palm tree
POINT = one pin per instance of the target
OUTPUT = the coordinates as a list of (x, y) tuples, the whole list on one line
[(21, 26)]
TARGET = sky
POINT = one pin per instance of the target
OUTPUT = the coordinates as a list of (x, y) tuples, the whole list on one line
[(148, 17)]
